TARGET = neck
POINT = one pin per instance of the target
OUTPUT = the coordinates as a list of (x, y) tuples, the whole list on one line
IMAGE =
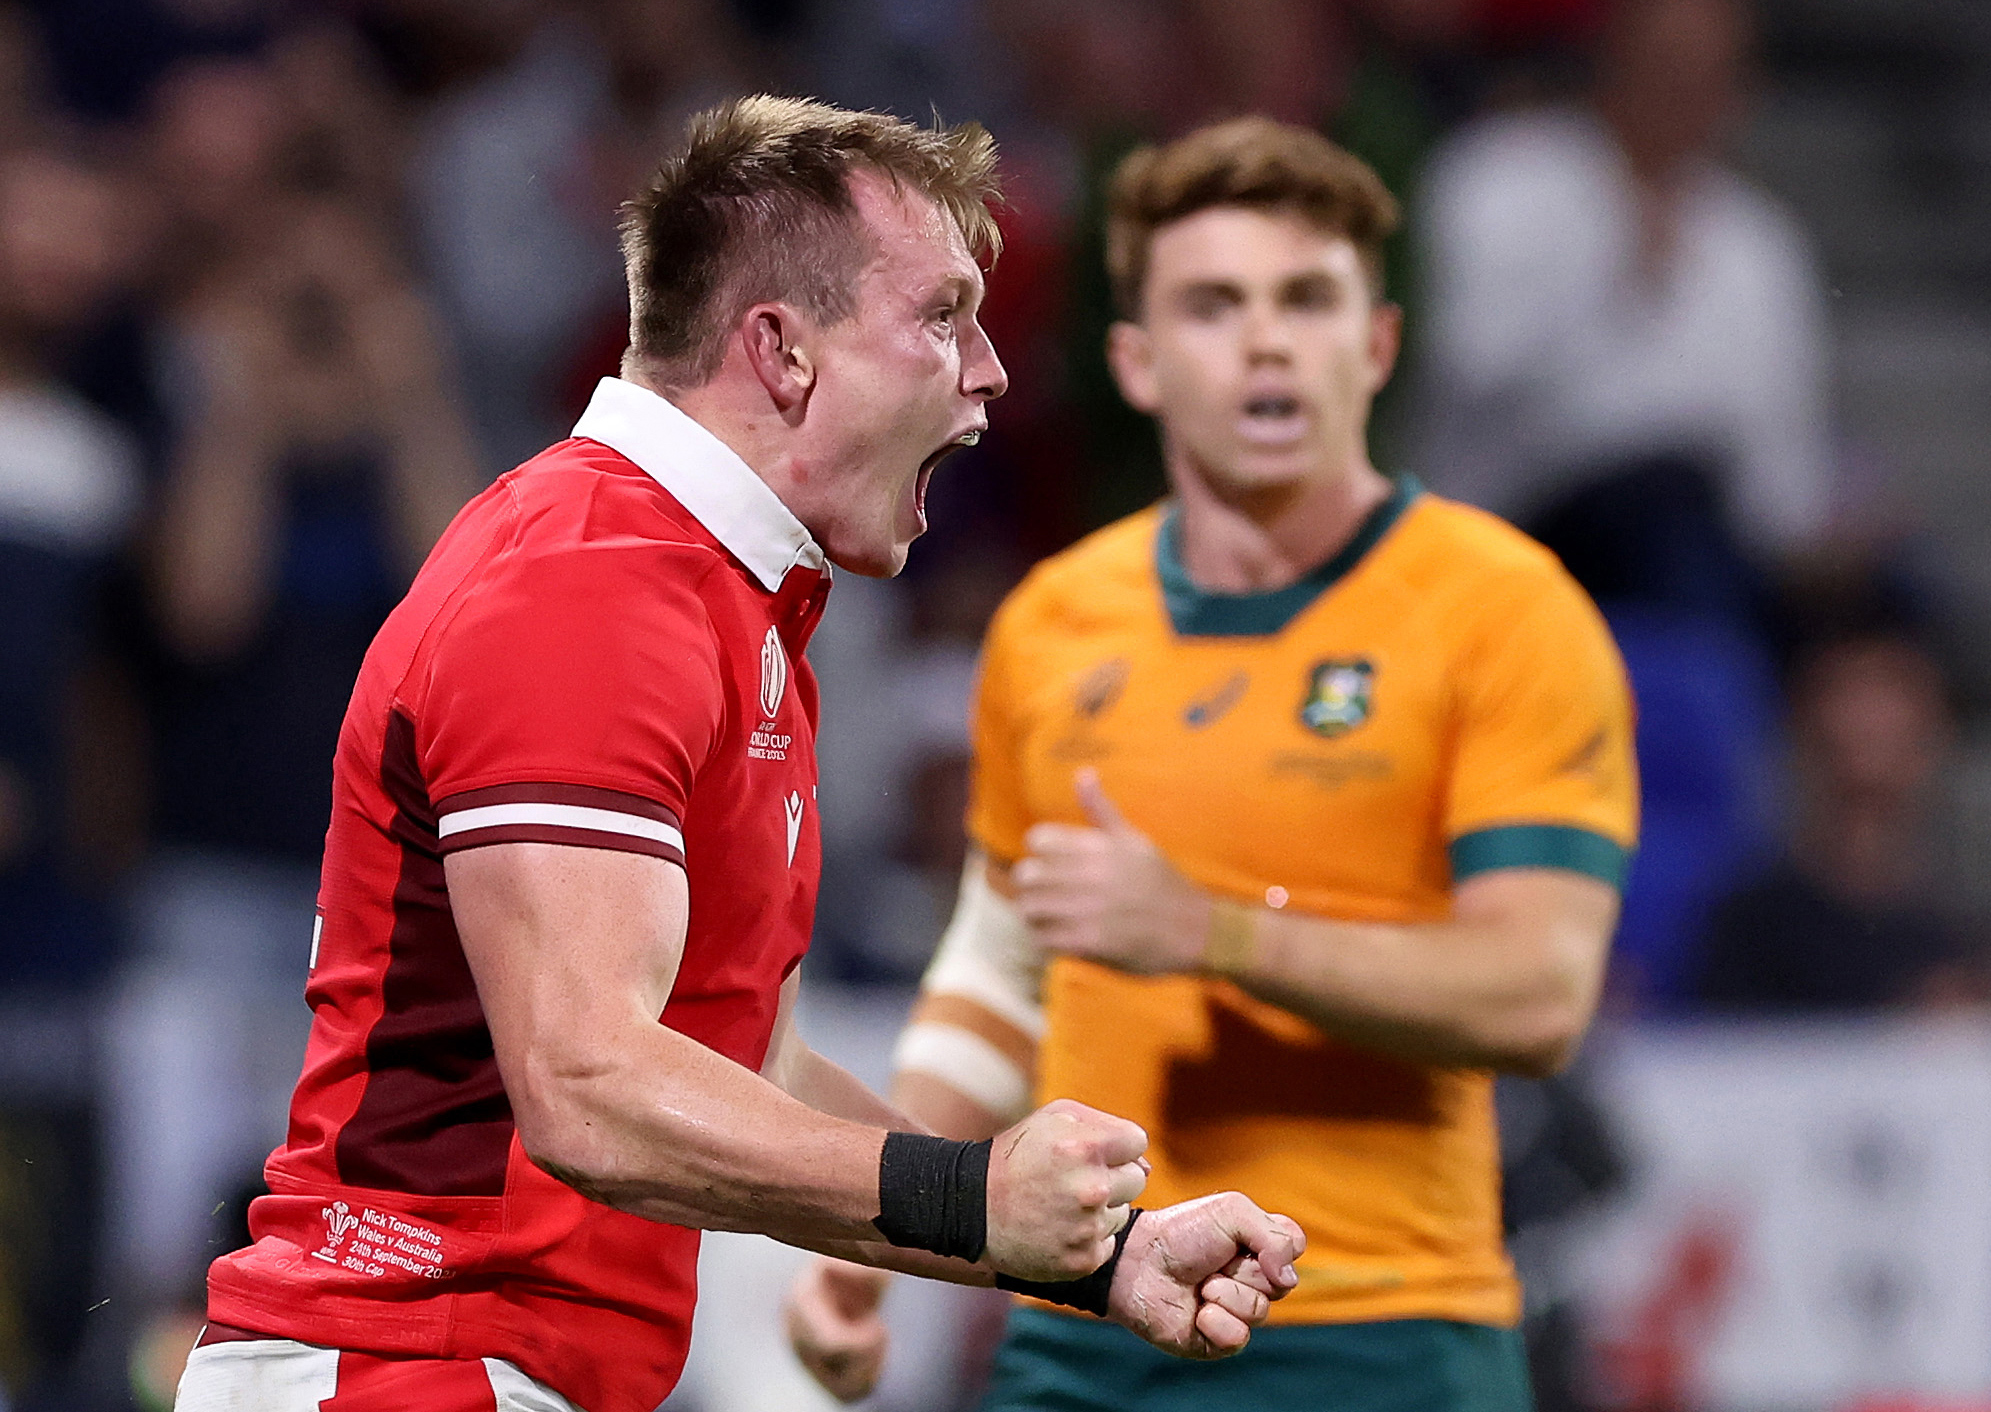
[(1659, 168), (1256, 544), (752, 429)]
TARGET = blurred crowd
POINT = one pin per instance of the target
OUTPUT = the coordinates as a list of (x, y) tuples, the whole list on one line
[(283, 282)]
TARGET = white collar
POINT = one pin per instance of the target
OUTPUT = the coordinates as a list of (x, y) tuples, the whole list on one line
[(704, 474)]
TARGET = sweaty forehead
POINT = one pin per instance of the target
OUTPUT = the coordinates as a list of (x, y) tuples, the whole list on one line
[(1235, 244), (914, 237)]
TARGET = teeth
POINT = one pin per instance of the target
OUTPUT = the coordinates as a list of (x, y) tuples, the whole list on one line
[(971, 438)]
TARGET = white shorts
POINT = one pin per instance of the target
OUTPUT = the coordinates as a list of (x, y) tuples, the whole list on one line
[(279, 1375)]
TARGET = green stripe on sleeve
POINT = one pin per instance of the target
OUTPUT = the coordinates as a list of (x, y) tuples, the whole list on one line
[(1539, 846)]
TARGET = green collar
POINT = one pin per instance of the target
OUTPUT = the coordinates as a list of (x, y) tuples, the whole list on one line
[(1196, 613)]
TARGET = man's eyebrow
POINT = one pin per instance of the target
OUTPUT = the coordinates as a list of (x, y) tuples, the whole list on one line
[(1309, 282), (1204, 288), (965, 288)]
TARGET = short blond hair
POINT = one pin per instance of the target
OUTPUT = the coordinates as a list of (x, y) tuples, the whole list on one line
[(1251, 162), (756, 205)]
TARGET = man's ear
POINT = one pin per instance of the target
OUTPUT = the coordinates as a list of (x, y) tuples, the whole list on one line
[(1385, 342), (770, 334), (1130, 354)]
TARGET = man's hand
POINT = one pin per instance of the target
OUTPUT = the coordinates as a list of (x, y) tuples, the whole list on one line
[(1060, 1183), (1106, 893), (1197, 1278), (834, 1327)]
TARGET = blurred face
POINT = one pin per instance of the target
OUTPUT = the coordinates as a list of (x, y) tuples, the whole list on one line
[(1259, 350), (1672, 74), (62, 245), (898, 384), (1874, 721), (216, 130)]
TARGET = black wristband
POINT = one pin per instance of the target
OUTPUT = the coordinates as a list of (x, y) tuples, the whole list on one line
[(933, 1194), (1088, 1292)]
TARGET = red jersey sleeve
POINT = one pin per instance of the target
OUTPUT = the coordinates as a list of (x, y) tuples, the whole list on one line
[(573, 700)]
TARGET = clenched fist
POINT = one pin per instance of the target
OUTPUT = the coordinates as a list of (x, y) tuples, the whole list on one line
[(1196, 1278), (1060, 1183)]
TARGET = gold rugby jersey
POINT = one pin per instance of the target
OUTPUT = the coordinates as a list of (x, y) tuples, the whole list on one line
[(1438, 700)]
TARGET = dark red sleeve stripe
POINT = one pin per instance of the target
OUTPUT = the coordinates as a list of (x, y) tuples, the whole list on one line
[(545, 792)]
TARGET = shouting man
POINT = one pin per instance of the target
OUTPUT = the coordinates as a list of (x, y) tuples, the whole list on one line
[(573, 855)]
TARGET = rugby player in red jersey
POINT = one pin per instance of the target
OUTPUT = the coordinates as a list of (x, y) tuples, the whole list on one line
[(574, 796)]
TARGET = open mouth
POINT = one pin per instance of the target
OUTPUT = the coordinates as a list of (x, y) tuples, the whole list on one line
[(932, 463), (1272, 417)]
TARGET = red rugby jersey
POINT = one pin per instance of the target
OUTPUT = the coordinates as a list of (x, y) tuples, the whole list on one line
[(604, 649)]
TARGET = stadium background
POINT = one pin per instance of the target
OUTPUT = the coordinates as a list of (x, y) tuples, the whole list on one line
[(280, 282)]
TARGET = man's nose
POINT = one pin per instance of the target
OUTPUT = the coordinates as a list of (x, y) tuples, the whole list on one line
[(1267, 335), (982, 372)]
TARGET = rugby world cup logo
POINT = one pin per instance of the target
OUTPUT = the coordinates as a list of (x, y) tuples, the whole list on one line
[(773, 674), (339, 1223)]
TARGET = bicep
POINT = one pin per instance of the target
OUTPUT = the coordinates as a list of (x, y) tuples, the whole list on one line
[(1564, 916), (570, 948)]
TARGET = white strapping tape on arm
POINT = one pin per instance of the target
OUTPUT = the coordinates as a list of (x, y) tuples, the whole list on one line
[(967, 1063), (986, 956)]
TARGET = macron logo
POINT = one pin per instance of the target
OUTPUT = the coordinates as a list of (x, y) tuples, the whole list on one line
[(793, 804)]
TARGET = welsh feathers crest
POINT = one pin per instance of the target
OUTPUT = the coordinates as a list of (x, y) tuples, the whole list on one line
[(773, 673)]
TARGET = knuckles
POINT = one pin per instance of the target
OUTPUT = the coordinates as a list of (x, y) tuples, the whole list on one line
[(1091, 1194), (1072, 1151)]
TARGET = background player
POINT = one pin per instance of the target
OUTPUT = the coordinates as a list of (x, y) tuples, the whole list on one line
[(573, 797), (1317, 792)]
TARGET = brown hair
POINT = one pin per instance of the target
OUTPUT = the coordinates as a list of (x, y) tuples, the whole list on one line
[(1251, 162), (756, 205)]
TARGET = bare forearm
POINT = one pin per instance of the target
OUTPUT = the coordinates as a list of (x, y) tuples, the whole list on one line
[(1426, 993), (830, 1088), (919, 1103), (677, 1133), (1507, 981), (1493, 987), (880, 1256), (641, 1117)]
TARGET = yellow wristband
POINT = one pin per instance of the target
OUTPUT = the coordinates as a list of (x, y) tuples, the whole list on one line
[(1233, 939)]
